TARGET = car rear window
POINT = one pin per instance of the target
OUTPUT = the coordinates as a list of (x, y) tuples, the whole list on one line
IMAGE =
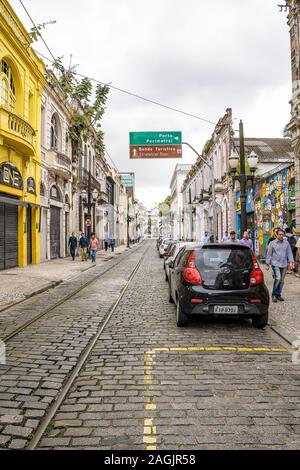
[(225, 267)]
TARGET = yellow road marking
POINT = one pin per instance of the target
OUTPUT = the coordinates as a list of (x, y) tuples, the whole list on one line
[(149, 428)]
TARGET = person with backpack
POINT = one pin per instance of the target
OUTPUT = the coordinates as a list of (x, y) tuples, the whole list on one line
[(293, 243)]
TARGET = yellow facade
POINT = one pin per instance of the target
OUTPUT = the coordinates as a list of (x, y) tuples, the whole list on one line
[(21, 83)]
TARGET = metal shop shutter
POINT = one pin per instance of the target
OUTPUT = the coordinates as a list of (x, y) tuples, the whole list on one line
[(55, 233), (8, 236)]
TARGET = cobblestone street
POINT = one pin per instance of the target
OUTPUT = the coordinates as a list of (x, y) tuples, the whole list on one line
[(146, 384)]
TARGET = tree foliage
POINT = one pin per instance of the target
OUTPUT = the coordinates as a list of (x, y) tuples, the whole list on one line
[(88, 106)]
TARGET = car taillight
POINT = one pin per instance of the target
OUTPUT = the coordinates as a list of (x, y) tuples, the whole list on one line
[(257, 276), (190, 272)]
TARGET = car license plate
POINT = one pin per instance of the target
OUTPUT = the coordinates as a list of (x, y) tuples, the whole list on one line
[(226, 309)]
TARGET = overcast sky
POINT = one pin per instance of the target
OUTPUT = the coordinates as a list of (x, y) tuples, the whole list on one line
[(196, 55)]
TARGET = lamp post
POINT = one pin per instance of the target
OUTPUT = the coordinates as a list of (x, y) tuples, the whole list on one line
[(212, 169), (92, 197), (243, 178)]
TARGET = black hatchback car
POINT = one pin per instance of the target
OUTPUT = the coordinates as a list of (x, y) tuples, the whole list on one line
[(220, 280)]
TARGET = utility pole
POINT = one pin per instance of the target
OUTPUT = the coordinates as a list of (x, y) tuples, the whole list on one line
[(243, 181), (89, 206), (128, 221)]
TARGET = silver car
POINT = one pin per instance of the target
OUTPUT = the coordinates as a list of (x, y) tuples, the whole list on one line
[(174, 252)]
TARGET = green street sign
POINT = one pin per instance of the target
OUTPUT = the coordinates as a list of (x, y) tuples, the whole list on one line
[(155, 138)]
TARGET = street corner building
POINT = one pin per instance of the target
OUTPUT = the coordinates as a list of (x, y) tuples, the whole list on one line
[(21, 85)]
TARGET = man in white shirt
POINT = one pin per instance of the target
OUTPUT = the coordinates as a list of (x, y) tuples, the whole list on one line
[(206, 239)]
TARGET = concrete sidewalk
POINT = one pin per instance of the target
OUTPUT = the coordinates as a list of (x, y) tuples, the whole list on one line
[(18, 284), (285, 316)]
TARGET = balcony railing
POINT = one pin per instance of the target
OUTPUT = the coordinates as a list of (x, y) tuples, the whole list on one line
[(59, 163), (63, 161), (85, 176), (17, 131)]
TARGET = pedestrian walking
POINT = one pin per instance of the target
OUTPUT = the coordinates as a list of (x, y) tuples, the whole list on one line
[(112, 244), (106, 243), (206, 239), (225, 238), (233, 238), (293, 242), (93, 247), (84, 244), (73, 244), (246, 241), (280, 258), (297, 265)]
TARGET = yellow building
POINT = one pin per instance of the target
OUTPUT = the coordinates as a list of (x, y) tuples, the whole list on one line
[(21, 83)]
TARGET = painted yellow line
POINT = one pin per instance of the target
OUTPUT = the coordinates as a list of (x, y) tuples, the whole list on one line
[(149, 427), (216, 349)]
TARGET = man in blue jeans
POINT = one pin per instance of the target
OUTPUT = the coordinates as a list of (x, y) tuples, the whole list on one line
[(280, 257)]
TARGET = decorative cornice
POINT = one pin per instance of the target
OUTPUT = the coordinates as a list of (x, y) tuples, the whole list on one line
[(8, 16)]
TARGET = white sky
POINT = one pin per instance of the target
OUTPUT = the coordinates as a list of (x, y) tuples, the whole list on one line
[(196, 55)]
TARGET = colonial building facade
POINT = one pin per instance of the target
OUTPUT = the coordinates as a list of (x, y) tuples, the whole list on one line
[(270, 196), (56, 175), (294, 125), (21, 85), (178, 178)]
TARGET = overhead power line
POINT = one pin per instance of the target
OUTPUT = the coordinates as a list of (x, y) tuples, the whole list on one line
[(156, 103)]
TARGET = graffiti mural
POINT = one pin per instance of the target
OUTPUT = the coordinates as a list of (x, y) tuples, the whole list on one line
[(274, 205)]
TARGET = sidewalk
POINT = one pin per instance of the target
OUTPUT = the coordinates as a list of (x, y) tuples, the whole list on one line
[(18, 284), (286, 315)]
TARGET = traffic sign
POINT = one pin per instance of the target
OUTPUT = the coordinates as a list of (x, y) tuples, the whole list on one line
[(155, 145)]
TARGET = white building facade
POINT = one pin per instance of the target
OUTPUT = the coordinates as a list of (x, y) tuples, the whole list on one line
[(178, 178), (56, 176)]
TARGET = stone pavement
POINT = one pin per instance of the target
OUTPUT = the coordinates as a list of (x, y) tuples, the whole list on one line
[(19, 284), (148, 384), (286, 314)]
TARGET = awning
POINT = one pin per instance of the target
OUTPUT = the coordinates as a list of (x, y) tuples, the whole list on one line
[(13, 202)]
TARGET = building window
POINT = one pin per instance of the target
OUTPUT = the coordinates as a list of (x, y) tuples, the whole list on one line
[(8, 89), (42, 190), (54, 193), (54, 133)]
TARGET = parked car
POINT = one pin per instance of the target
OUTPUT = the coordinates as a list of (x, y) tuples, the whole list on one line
[(164, 246), (219, 280), (171, 254)]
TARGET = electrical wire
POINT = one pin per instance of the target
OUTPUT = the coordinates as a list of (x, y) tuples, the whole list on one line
[(121, 90)]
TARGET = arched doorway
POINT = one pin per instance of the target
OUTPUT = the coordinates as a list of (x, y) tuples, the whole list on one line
[(55, 212)]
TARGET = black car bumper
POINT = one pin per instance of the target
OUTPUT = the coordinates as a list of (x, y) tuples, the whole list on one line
[(195, 300)]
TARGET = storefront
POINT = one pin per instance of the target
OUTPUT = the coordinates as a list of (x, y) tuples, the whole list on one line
[(18, 218)]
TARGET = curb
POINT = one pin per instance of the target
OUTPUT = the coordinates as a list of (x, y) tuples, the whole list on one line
[(283, 333), (51, 285), (54, 284)]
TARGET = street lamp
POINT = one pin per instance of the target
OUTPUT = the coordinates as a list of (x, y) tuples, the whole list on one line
[(89, 198), (243, 178)]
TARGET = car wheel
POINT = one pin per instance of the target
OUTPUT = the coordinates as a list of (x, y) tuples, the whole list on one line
[(170, 295), (181, 317), (261, 321)]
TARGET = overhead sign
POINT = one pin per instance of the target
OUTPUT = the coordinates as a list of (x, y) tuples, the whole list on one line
[(155, 145), (127, 180)]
